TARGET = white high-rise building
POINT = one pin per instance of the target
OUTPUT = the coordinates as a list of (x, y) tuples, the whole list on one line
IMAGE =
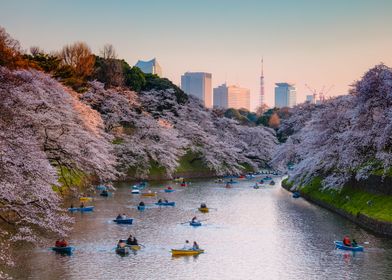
[(285, 95), (231, 97), (199, 85), (150, 67), (262, 97)]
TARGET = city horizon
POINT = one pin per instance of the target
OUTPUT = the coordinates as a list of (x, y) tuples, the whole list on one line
[(318, 44)]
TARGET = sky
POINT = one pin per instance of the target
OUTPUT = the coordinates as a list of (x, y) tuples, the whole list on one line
[(315, 42)]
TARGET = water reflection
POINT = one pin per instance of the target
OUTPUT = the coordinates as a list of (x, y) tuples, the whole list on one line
[(252, 234)]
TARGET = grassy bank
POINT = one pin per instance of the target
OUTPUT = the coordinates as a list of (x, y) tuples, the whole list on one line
[(351, 200)]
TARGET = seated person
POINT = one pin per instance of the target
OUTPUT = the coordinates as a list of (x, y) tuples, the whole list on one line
[(203, 205), (123, 216), (160, 201), (187, 246), (119, 217), (194, 220), (346, 241), (354, 243), (141, 203), (130, 239), (82, 205), (195, 246), (121, 244), (166, 201), (58, 243)]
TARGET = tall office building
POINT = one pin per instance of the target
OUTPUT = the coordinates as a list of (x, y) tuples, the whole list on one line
[(285, 95), (310, 99), (150, 67), (262, 97), (231, 97), (199, 85)]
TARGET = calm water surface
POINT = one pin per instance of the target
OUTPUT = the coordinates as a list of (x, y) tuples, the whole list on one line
[(252, 234)]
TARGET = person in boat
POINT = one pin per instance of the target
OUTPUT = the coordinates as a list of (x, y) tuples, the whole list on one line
[(119, 217), (160, 201), (231, 180), (142, 203), (82, 205), (169, 188), (72, 206), (166, 201), (104, 192), (130, 239), (203, 206), (134, 241), (61, 243), (228, 185), (187, 246), (194, 220), (123, 216), (121, 244), (195, 246), (346, 241), (354, 243)]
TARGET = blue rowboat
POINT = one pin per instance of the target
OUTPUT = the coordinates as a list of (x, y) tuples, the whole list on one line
[(231, 182), (141, 207), (63, 250), (101, 188), (267, 178), (81, 209), (123, 250), (169, 190), (340, 245), (165, 203), (124, 221), (296, 194), (195, 224)]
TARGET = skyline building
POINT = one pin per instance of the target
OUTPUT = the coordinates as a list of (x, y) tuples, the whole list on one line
[(231, 97), (285, 95), (262, 97), (199, 85), (150, 67)]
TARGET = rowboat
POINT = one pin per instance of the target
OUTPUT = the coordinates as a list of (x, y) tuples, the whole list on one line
[(340, 245), (123, 250), (124, 221), (180, 252), (195, 224), (135, 191), (101, 188), (266, 178), (296, 194), (63, 250), (231, 182), (169, 190), (135, 247), (183, 184), (81, 209), (166, 203), (85, 199), (149, 194), (204, 210), (272, 183), (141, 207)]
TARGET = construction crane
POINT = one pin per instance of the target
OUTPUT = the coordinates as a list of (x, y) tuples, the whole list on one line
[(322, 93)]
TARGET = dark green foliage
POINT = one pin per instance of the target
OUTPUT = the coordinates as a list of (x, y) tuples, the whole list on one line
[(47, 62), (134, 77), (157, 83)]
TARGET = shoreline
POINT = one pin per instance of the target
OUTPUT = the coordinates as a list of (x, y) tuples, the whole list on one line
[(376, 226)]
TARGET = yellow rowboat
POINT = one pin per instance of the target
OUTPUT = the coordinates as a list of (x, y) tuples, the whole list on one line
[(135, 247), (180, 252), (178, 179), (149, 194), (204, 210), (85, 199)]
